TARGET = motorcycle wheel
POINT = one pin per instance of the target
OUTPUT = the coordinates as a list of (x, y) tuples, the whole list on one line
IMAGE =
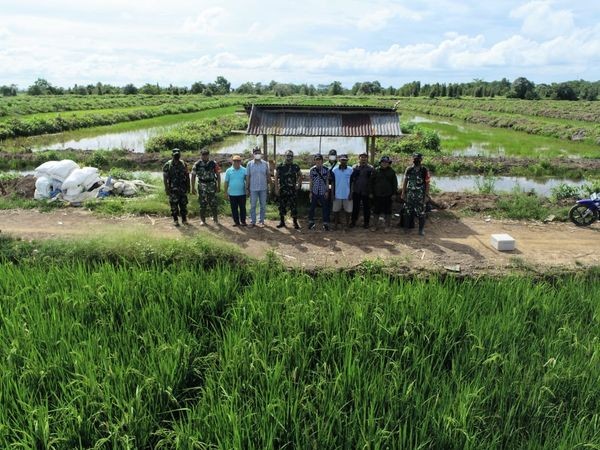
[(582, 216)]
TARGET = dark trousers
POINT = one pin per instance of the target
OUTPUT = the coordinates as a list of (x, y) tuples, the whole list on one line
[(178, 202), (238, 208), (382, 205), (357, 201), (315, 199)]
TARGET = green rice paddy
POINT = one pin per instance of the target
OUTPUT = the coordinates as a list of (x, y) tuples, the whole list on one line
[(142, 344)]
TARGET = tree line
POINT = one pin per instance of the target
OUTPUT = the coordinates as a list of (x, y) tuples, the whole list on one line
[(521, 88)]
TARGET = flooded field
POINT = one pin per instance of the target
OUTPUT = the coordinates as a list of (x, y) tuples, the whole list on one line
[(458, 139)]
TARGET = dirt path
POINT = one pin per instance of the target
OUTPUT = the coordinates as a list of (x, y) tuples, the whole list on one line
[(450, 242)]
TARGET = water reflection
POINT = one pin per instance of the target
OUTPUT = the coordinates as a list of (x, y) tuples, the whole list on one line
[(244, 143), (129, 140)]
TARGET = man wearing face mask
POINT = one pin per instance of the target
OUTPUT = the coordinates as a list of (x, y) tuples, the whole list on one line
[(288, 181), (332, 160), (415, 192), (177, 185), (259, 179), (342, 192)]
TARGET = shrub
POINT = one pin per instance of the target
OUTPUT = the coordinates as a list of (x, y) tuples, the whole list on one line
[(563, 191), (521, 205), (486, 184)]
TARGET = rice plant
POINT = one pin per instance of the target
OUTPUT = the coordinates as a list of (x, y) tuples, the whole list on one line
[(167, 353)]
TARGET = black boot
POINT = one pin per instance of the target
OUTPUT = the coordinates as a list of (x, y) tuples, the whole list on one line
[(175, 220), (296, 224), (184, 220), (281, 222), (421, 226)]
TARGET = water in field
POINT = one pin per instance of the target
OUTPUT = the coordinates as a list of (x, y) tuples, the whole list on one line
[(459, 138), (541, 186), (129, 140), (128, 135), (465, 183), (238, 144)]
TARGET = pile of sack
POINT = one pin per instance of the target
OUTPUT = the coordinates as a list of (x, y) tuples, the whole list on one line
[(65, 180)]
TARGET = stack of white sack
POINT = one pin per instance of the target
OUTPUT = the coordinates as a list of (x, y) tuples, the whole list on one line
[(50, 177), (76, 186)]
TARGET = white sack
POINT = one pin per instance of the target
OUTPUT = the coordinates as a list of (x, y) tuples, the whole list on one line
[(58, 170), (44, 187), (81, 179)]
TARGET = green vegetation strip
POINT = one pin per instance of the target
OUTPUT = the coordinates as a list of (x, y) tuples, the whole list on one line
[(193, 136), (25, 105), (57, 123), (570, 110), (130, 349)]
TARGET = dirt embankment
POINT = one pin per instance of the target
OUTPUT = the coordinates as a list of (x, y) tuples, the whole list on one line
[(22, 186), (451, 243)]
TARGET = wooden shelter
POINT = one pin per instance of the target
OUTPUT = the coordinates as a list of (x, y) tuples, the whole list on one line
[(322, 121)]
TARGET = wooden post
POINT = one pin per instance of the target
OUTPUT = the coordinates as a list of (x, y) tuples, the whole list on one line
[(369, 155), (275, 147), (265, 142), (373, 149)]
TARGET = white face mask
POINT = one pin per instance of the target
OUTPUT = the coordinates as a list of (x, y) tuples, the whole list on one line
[(332, 158), (258, 156)]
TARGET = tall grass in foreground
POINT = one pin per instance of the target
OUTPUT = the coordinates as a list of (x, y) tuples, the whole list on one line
[(177, 356)]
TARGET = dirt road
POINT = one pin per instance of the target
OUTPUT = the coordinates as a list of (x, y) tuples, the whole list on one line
[(450, 243)]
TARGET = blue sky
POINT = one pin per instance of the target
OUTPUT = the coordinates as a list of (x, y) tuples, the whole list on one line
[(182, 41)]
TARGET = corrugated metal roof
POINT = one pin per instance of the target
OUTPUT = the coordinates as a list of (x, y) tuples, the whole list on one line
[(317, 120)]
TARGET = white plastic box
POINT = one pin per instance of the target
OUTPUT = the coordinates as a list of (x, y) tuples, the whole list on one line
[(503, 242)]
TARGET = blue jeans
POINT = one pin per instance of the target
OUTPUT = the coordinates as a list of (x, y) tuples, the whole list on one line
[(313, 204), (254, 197)]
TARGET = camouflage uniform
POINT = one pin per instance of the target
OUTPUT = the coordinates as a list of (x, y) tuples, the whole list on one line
[(287, 176), (416, 181), (207, 173), (178, 181)]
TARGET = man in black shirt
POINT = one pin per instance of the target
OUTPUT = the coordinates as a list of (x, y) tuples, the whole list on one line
[(361, 174)]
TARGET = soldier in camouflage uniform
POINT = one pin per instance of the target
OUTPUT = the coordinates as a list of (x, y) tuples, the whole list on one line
[(177, 185), (209, 183), (288, 182), (415, 192)]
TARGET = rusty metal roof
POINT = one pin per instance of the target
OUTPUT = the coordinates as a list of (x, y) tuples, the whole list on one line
[(318, 120)]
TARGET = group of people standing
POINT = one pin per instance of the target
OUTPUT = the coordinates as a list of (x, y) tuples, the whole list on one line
[(336, 188), (346, 190)]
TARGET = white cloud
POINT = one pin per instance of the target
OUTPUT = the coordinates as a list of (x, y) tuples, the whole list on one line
[(542, 21), (379, 19), (305, 42), (206, 22)]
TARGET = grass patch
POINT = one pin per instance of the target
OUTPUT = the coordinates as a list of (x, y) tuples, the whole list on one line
[(128, 344), (520, 205)]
